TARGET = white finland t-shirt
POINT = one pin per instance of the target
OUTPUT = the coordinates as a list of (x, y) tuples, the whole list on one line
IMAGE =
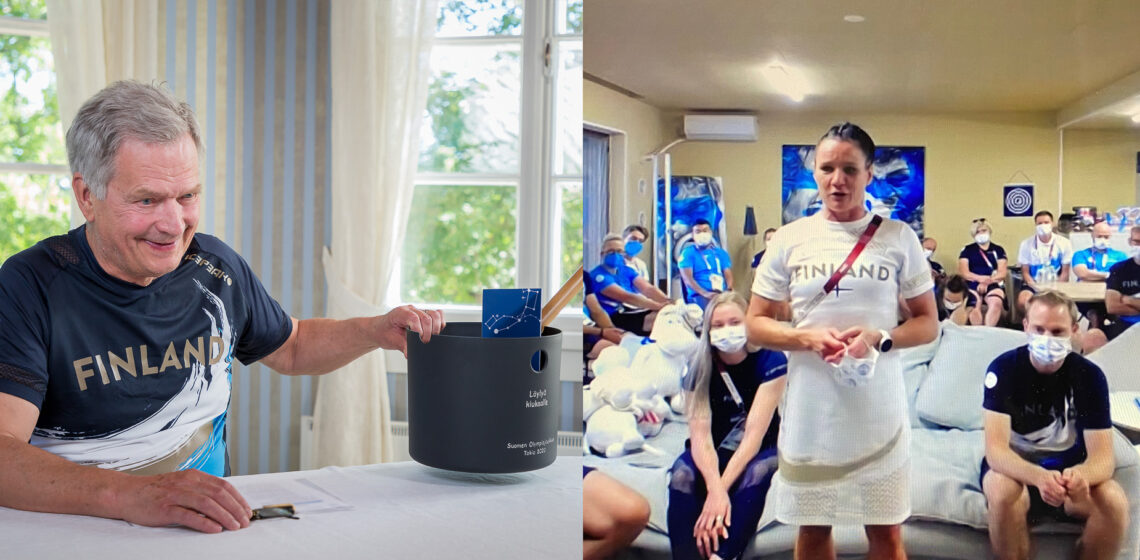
[(824, 422)]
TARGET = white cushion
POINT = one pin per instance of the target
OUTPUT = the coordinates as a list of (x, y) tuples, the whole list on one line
[(1118, 361), (951, 393), (915, 362), (922, 354)]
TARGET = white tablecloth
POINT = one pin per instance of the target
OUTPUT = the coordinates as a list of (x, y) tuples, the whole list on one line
[(400, 511)]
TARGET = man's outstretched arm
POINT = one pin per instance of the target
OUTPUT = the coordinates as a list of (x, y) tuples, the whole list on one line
[(318, 346), (32, 479)]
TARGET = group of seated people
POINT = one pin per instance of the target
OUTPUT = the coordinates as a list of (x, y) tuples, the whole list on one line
[(621, 296), (976, 294), (729, 462), (711, 479)]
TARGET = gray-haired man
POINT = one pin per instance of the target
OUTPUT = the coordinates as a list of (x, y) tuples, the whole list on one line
[(117, 339)]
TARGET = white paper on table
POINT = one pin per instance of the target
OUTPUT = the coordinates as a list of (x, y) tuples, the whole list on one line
[(303, 493)]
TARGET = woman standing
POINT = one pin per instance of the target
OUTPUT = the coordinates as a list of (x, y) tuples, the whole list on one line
[(719, 482), (844, 439), (983, 265)]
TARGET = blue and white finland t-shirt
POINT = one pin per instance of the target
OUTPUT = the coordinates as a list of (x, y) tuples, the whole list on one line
[(130, 377)]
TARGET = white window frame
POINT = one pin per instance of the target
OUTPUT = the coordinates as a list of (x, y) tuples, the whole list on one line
[(538, 228), (10, 25), (536, 238)]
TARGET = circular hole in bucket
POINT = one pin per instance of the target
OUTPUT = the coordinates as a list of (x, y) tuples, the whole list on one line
[(538, 361)]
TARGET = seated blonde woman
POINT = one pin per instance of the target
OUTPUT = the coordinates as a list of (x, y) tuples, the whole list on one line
[(983, 265)]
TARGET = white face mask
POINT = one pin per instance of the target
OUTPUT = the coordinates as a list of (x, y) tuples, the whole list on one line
[(982, 238), (728, 339), (1044, 229), (928, 252), (853, 372), (1049, 350), (1134, 251), (1100, 243), (702, 238), (951, 305)]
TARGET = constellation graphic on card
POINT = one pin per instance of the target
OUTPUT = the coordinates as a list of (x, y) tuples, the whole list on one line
[(511, 312)]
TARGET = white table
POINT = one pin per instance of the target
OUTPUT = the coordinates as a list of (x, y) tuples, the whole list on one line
[(400, 510), (1086, 292)]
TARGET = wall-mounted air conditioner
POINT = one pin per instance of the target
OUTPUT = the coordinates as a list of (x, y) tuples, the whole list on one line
[(724, 128)]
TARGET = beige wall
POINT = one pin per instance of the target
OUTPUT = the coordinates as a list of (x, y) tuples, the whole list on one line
[(968, 159), (643, 130), (1100, 168)]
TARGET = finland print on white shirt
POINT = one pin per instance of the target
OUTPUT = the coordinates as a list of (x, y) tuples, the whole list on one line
[(801, 258)]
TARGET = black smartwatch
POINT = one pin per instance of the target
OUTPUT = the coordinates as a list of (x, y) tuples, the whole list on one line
[(885, 342)]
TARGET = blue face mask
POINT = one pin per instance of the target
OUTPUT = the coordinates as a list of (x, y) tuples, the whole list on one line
[(613, 260), (632, 248)]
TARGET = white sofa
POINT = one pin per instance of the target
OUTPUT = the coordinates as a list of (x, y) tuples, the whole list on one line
[(944, 387)]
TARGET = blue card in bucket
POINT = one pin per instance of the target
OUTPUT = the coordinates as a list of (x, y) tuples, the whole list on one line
[(512, 313)]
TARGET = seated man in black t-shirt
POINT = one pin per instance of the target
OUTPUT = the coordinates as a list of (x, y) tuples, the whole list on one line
[(1122, 289), (1049, 438), (117, 340)]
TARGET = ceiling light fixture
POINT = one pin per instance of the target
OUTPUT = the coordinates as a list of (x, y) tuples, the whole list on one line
[(788, 81), (854, 18)]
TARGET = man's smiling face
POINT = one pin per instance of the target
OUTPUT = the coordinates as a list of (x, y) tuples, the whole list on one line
[(143, 226)]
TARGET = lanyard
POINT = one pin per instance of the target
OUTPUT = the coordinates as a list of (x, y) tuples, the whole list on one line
[(833, 282), (732, 390), (708, 266), (987, 259), (1103, 260), (1036, 245)]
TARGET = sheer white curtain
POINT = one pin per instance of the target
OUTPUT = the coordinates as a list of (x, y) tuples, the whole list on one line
[(96, 43), (380, 67)]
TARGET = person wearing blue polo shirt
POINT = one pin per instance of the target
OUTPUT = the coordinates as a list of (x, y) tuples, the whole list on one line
[(1092, 265), (1122, 288), (705, 268), (628, 298)]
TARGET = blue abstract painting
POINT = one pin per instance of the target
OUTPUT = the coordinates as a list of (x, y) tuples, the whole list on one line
[(897, 189), (690, 198)]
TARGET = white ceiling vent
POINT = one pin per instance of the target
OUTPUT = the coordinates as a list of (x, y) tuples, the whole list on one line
[(724, 128)]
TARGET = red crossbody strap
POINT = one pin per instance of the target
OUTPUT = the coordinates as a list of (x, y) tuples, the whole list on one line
[(855, 252), (833, 282)]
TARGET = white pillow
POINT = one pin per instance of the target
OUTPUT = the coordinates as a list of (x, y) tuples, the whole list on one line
[(951, 394), (913, 377), (1118, 361), (922, 354), (914, 362)]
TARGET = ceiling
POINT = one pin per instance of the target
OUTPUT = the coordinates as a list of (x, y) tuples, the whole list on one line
[(1077, 58)]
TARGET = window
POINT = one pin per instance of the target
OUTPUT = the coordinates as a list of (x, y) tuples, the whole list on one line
[(35, 198), (498, 198)]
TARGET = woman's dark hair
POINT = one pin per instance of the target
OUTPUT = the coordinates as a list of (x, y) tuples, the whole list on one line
[(852, 133), (956, 284)]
